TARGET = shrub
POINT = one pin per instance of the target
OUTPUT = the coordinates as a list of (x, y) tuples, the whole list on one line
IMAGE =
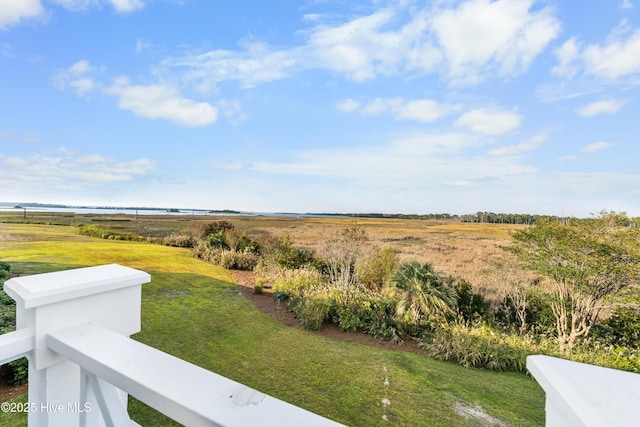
[(5, 268), (15, 372), (380, 269), (238, 261), (313, 310), (214, 227), (538, 313), (371, 313), (297, 283), (471, 305), (217, 240), (179, 241), (624, 327), (480, 346), (101, 233), (615, 357), (245, 244), (354, 314), (292, 257)]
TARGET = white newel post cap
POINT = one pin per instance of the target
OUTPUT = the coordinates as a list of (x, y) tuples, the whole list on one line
[(109, 295)]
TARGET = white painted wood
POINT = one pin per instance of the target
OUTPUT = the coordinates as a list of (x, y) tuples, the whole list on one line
[(112, 407), (185, 392), (578, 394), (15, 345), (49, 288), (109, 295)]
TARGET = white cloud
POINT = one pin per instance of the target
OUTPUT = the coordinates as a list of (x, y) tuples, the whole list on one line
[(66, 169), (571, 158), (257, 63), (126, 6), (423, 110), (490, 121), (158, 101), (626, 4), (567, 55), (122, 6), (597, 146), (526, 145), (359, 49), (161, 102), (14, 11), (76, 77), (482, 36), (383, 166), (600, 107), (395, 40), (141, 45), (231, 166), (617, 57), (76, 5), (233, 111), (348, 105)]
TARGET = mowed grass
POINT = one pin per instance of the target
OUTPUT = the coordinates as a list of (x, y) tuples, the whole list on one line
[(192, 310)]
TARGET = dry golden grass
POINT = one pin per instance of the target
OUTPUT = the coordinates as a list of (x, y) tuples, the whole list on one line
[(462, 250), (467, 251)]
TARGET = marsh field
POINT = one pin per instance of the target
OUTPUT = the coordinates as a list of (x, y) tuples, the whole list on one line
[(192, 310), (470, 251)]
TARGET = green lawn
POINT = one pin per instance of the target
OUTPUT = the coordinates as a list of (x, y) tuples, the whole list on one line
[(192, 310)]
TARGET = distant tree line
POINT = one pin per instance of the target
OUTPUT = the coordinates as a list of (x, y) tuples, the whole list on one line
[(479, 217)]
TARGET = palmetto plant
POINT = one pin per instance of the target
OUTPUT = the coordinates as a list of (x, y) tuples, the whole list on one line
[(423, 292)]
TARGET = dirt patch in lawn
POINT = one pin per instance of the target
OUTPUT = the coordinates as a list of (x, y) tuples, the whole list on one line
[(8, 392)]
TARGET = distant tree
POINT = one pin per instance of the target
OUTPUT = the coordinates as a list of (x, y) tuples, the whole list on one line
[(214, 227), (585, 261), (423, 293), (217, 240)]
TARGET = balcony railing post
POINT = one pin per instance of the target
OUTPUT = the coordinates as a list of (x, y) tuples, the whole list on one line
[(108, 295), (584, 395)]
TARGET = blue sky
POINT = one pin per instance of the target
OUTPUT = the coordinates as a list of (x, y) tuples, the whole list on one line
[(322, 105)]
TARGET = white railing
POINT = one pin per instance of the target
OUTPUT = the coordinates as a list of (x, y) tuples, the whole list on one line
[(586, 395), (74, 327)]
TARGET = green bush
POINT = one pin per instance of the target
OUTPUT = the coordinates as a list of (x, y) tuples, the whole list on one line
[(15, 372), (615, 357), (480, 346), (213, 227), (470, 305), (292, 257), (245, 244), (539, 316), (5, 268), (313, 310), (380, 269), (354, 314), (238, 261), (206, 253), (102, 233), (370, 313), (624, 327), (217, 240), (179, 241), (297, 283)]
